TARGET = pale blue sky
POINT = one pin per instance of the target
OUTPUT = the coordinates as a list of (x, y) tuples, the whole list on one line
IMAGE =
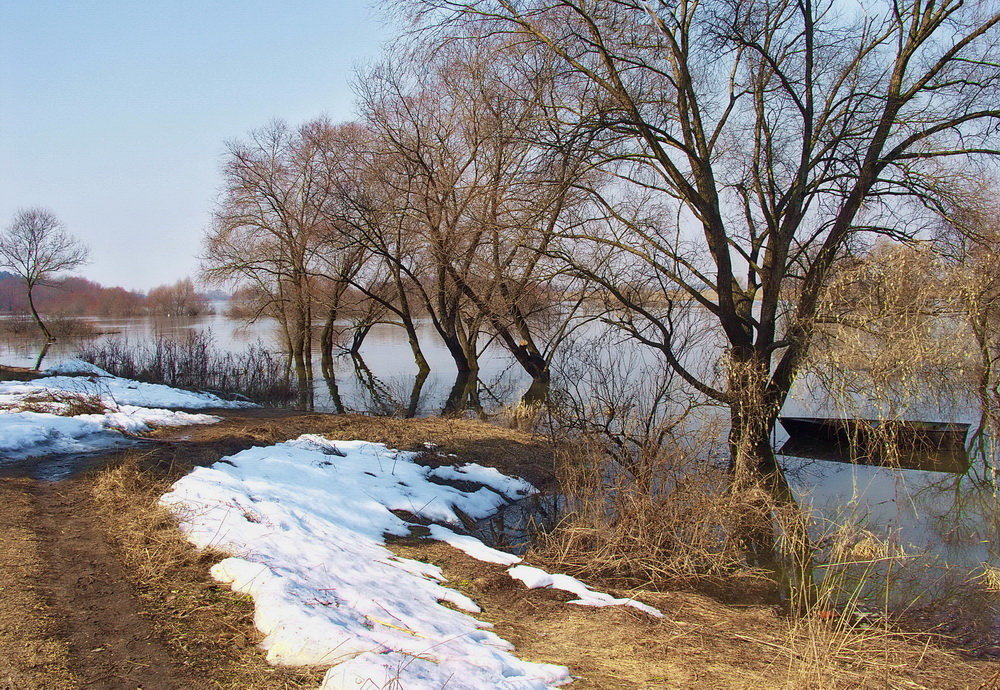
[(113, 113)]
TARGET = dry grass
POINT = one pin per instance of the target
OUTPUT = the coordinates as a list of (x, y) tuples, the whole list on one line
[(454, 440), (207, 626), (700, 642), (65, 403), (991, 578), (31, 656), (619, 533)]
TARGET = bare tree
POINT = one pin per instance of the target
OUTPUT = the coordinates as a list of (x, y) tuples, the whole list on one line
[(370, 208), (477, 174), (270, 228), (36, 247), (757, 143)]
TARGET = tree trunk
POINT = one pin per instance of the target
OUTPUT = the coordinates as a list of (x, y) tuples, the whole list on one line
[(537, 392), (458, 396), (458, 352), (331, 385), (769, 515), (38, 319), (418, 385), (359, 336), (418, 354), (41, 355), (326, 344)]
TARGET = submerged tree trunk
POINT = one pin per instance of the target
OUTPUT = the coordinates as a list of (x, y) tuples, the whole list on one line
[(458, 352), (326, 343), (537, 392), (41, 354), (359, 336), (459, 397), (418, 385), (334, 390), (418, 354)]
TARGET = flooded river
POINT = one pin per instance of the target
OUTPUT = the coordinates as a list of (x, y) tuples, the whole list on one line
[(940, 531)]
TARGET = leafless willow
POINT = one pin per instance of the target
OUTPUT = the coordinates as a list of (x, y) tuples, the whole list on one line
[(756, 144)]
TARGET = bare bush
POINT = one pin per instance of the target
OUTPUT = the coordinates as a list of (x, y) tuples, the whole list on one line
[(194, 362)]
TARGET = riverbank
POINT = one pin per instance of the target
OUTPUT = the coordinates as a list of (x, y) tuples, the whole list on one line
[(124, 542)]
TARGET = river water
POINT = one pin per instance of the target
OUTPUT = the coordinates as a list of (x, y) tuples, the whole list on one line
[(944, 527)]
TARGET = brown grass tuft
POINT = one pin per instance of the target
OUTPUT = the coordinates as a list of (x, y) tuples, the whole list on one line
[(65, 403), (618, 533)]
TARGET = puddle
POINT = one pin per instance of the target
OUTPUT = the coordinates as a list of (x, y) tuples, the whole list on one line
[(514, 526), (57, 467)]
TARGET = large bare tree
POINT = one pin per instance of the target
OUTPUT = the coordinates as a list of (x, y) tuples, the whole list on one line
[(757, 142), (270, 227), (36, 247)]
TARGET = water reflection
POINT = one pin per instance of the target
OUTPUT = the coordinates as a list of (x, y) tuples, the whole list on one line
[(41, 354), (380, 378)]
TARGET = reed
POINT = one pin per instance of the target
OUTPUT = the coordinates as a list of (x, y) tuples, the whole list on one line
[(195, 362)]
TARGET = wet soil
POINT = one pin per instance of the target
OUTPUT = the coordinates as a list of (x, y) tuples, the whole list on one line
[(69, 617), (111, 641)]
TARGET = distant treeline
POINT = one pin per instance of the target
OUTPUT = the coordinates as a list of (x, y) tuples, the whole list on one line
[(81, 297)]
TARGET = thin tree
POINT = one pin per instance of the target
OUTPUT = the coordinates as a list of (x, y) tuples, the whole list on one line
[(269, 228), (36, 247)]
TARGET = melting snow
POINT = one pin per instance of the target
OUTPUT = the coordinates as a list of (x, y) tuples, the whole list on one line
[(71, 367), (534, 578), (129, 407), (305, 523), (114, 391)]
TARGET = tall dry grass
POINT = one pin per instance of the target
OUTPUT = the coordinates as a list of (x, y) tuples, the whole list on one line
[(669, 523)]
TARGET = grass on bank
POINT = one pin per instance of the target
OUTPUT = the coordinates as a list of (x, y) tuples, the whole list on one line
[(700, 643)]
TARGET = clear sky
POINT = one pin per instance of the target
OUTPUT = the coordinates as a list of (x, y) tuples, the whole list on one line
[(113, 113)]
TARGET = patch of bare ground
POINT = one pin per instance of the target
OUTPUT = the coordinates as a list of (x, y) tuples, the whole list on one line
[(203, 623), (31, 654), (110, 640)]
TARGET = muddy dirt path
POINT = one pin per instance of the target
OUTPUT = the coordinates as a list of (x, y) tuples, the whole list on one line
[(91, 630)]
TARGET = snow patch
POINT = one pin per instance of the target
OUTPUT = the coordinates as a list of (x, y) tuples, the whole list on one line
[(305, 522), (75, 367), (115, 391), (472, 547), (47, 428), (512, 487), (535, 578)]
